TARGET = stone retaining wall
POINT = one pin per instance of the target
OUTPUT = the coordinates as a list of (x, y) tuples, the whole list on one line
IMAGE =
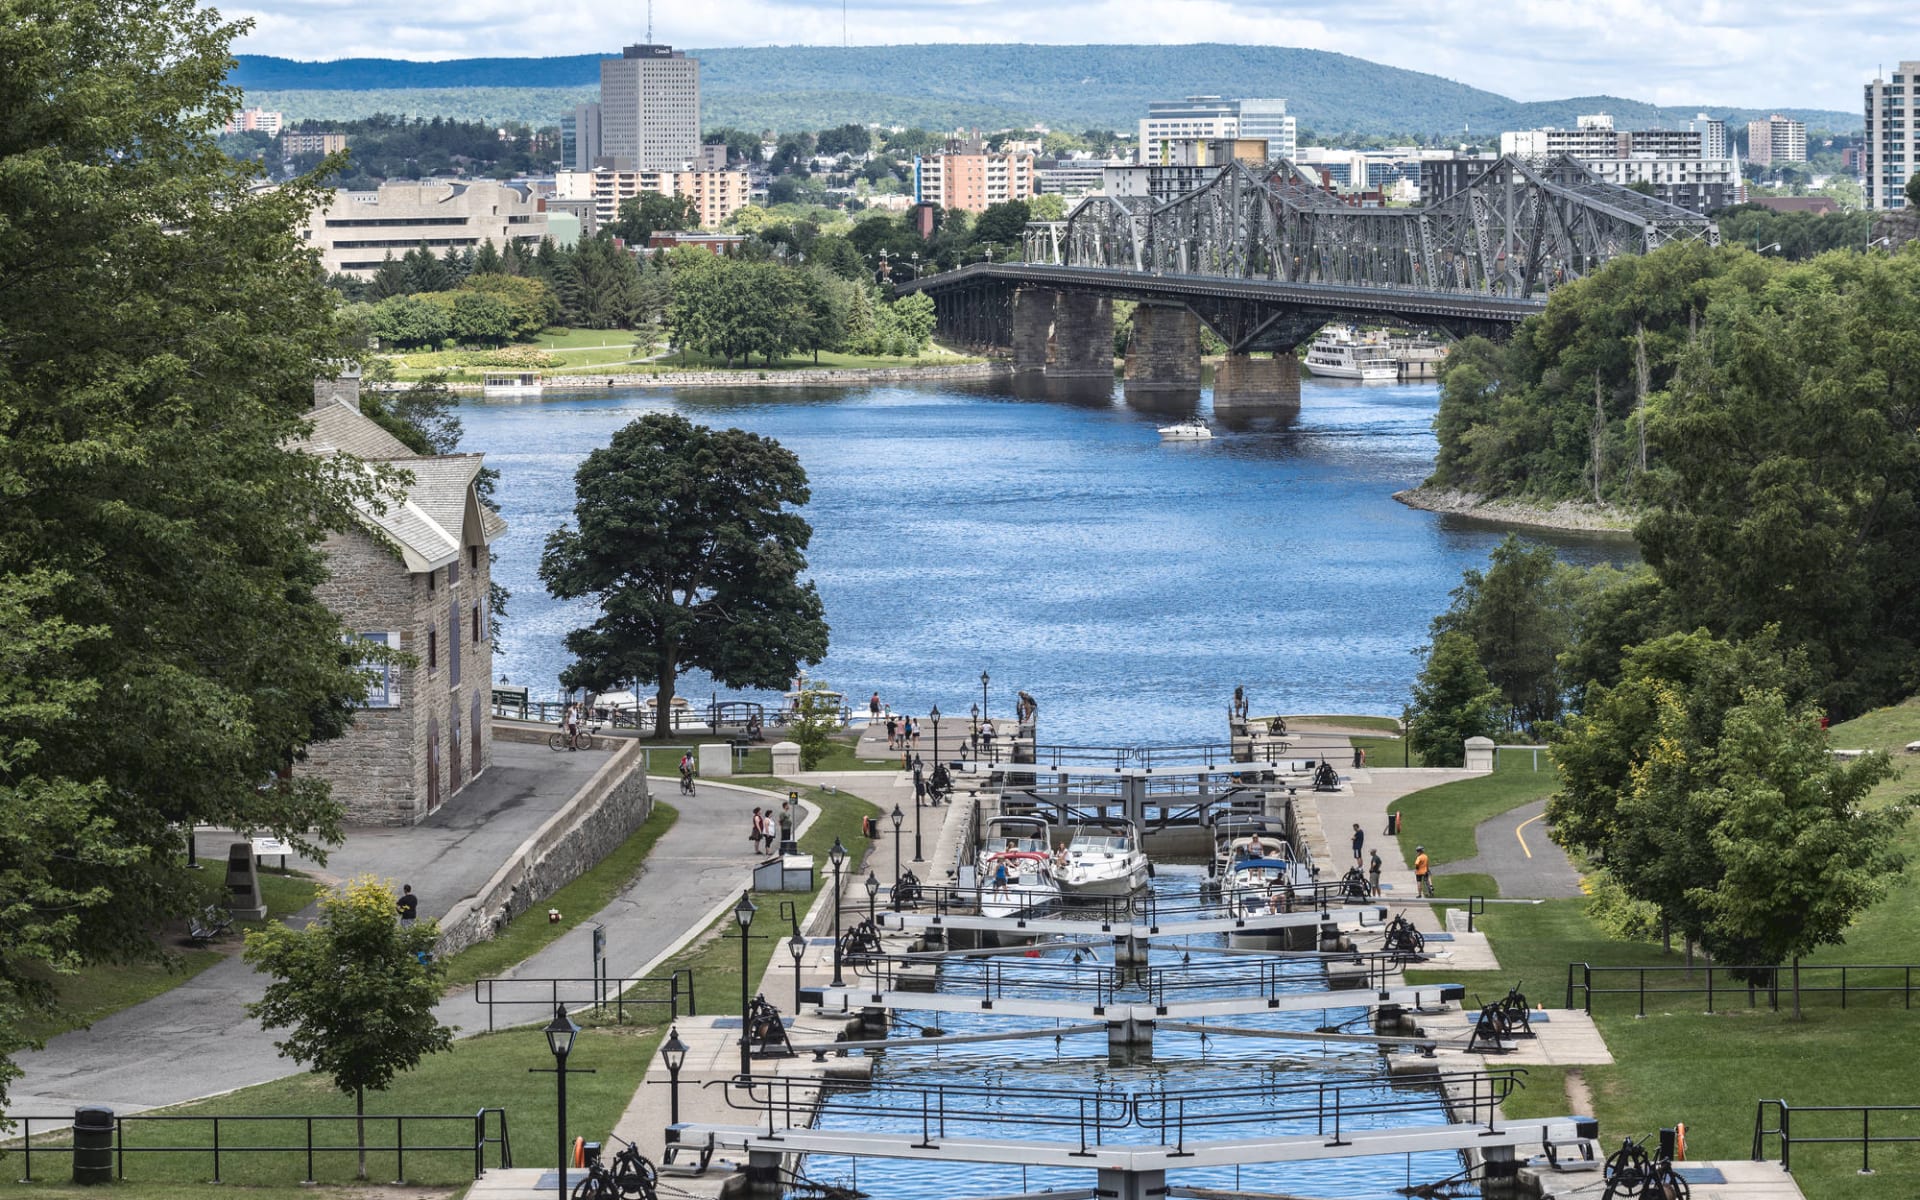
[(606, 810)]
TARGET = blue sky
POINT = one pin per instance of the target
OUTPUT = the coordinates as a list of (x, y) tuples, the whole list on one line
[(1756, 53)]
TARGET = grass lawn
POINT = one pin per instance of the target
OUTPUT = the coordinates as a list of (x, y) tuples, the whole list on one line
[(1350, 721), (577, 902), (1681, 1064), (1387, 751), (840, 757), (687, 360), (1443, 818)]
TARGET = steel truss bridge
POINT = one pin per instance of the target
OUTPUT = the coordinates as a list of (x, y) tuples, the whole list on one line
[(1267, 257)]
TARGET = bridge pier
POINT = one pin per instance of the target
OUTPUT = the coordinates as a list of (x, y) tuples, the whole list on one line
[(1242, 381), (1082, 338), (1163, 355), (1129, 1043), (1032, 325)]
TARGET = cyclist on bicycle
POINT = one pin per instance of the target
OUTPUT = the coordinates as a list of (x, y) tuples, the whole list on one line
[(686, 773)]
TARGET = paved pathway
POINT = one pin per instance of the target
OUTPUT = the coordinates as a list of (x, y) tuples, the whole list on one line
[(1516, 851)]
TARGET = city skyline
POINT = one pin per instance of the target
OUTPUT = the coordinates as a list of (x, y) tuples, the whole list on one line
[(1653, 50)]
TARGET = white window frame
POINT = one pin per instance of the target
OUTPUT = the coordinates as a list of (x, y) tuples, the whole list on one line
[(384, 685)]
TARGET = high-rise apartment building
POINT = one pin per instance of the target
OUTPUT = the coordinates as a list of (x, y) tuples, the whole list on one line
[(649, 110), (1892, 155), (1693, 168), (1775, 141), (1210, 117), (1713, 136), (255, 120), (971, 179), (716, 195), (1595, 137), (580, 137)]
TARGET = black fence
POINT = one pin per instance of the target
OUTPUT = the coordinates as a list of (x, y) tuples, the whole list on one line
[(1102, 983), (1829, 1125), (650, 994), (1725, 987), (472, 1134)]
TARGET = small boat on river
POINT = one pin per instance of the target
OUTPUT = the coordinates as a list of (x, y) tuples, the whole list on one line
[(1256, 872), (1340, 353), (1195, 430), (1104, 858), (1016, 868)]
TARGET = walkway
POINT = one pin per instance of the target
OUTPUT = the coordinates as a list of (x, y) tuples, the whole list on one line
[(1516, 851)]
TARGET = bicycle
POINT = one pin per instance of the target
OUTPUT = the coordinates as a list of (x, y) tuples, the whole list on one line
[(630, 1176), (686, 783), (1633, 1174), (579, 739)]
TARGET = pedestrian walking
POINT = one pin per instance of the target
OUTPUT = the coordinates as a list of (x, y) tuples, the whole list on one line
[(786, 829), (873, 707), (1422, 879), (913, 733), (1359, 840), (1373, 874), (753, 837), (409, 905), (919, 787)]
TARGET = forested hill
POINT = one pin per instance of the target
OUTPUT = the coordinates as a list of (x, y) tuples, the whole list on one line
[(1073, 87)]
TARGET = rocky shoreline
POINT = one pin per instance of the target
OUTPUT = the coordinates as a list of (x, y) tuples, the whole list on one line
[(746, 377), (1566, 515)]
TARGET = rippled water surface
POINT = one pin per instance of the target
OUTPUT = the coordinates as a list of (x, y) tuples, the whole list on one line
[(1062, 547)]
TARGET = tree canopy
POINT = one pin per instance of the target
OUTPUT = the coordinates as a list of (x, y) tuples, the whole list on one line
[(161, 326), (687, 539)]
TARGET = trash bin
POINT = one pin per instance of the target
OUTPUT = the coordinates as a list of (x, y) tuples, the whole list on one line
[(93, 1145), (870, 826)]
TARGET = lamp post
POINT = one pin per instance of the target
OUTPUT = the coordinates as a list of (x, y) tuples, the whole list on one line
[(743, 914), (560, 1034), (1406, 728), (837, 856), (899, 818), (983, 694), (974, 736), (674, 1054), (796, 946), (873, 894), (935, 714)]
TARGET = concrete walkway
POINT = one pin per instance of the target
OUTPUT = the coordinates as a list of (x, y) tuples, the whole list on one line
[(1516, 851), (196, 1039)]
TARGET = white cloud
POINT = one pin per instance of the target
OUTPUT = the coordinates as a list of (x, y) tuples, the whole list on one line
[(1751, 53)]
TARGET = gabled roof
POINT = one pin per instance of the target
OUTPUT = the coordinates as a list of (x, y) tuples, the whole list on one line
[(427, 522)]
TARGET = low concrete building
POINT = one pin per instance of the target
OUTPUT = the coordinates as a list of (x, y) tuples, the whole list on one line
[(357, 231), (413, 578)]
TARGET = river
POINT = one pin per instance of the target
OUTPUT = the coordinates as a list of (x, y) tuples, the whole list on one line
[(1062, 548)]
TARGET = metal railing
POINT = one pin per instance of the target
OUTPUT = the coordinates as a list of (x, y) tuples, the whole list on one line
[(1725, 985), (1150, 908), (1207, 754), (543, 995), (1102, 983), (1326, 1106), (483, 1124), (1866, 1139)]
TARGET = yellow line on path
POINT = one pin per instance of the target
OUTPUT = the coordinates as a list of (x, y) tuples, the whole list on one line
[(1522, 837)]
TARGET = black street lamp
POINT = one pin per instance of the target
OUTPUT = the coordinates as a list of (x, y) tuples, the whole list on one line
[(838, 857), (873, 894), (983, 694), (743, 914), (917, 856), (899, 818), (674, 1054), (560, 1034), (974, 740), (796, 946)]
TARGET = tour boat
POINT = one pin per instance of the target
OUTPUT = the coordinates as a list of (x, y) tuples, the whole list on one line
[(1020, 845), (518, 383), (1104, 858), (1338, 353), (1187, 431)]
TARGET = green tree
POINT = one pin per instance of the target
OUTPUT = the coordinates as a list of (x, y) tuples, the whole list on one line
[(530, 303), (687, 539), (479, 318), (1518, 614), (357, 990), (1002, 223), (1453, 700), (1800, 854), (159, 547), (845, 139), (1913, 191), (640, 216), (734, 308), (598, 285), (409, 321), (1047, 206), (817, 715)]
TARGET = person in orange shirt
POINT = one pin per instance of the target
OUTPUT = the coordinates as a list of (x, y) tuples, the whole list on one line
[(1421, 883)]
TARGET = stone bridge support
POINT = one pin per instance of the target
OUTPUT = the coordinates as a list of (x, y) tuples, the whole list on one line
[(1033, 310), (1243, 381), (1164, 353), (1082, 338)]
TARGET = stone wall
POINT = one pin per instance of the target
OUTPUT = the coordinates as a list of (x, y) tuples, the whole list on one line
[(760, 377), (606, 811)]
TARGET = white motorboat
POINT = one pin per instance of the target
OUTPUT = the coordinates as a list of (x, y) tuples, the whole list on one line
[(1340, 353), (1104, 858), (1016, 868), (1186, 431), (518, 383), (1257, 872)]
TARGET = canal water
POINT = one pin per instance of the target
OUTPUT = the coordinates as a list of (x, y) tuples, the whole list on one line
[(1063, 548), (1077, 1064)]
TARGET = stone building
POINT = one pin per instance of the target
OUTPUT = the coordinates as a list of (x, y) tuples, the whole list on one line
[(358, 231), (414, 578)]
